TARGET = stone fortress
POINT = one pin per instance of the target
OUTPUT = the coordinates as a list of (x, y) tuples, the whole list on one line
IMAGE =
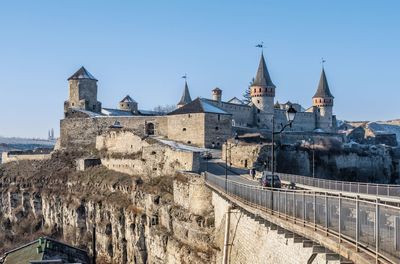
[(200, 122)]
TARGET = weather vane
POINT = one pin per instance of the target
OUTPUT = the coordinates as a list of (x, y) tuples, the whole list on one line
[(184, 76), (322, 62), (261, 45)]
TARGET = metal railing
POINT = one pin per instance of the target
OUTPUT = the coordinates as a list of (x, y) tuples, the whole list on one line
[(372, 227), (344, 186)]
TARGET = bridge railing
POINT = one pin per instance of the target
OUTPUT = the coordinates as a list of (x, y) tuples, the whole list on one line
[(343, 186), (369, 225)]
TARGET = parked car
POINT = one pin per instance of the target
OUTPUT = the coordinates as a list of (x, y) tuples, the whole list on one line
[(266, 180), (206, 155)]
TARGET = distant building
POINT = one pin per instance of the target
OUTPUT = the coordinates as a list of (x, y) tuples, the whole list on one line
[(51, 134), (45, 250)]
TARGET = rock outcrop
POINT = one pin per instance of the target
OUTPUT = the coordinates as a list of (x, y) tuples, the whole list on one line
[(135, 220)]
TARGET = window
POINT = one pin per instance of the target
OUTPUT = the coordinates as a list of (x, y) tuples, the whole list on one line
[(184, 129), (189, 142), (216, 128), (219, 117), (73, 104), (258, 101), (189, 115), (258, 110), (150, 129), (259, 90), (258, 120)]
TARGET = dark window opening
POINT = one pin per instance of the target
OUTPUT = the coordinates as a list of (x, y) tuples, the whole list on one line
[(216, 128), (189, 142), (184, 129), (154, 220), (150, 129), (219, 117)]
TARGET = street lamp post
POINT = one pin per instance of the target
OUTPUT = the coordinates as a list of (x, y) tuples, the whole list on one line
[(313, 156), (290, 115)]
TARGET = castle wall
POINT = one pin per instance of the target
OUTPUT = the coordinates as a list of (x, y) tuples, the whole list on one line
[(126, 152), (218, 128), (193, 195), (82, 132), (187, 128), (241, 114), (304, 121), (7, 157)]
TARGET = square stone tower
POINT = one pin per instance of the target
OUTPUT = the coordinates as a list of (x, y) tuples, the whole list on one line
[(82, 92)]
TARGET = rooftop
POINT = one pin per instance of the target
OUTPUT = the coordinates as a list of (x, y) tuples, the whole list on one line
[(199, 105), (323, 87), (43, 249), (82, 73)]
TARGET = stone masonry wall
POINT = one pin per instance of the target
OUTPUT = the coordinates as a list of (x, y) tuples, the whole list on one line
[(254, 243), (187, 128), (193, 195), (242, 115), (6, 157), (218, 128), (82, 132), (126, 152)]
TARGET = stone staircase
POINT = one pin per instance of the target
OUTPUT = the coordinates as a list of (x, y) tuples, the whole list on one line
[(317, 249)]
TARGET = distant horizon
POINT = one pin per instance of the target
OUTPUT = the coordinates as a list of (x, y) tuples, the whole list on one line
[(143, 49)]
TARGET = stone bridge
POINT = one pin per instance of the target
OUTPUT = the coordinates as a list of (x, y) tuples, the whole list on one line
[(344, 228)]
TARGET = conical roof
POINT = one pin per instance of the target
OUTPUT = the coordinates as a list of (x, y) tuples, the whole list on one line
[(82, 73), (323, 87), (185, 96), (127, 99), (262, 76)]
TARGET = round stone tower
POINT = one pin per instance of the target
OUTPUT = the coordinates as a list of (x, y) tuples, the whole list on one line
[(323, 102), (217, 94), (262, 89)]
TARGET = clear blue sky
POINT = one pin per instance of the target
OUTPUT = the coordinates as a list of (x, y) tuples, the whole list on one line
[(142, 48)]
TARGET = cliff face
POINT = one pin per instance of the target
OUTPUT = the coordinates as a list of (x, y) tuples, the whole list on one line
[(368, 163), (136, 221)]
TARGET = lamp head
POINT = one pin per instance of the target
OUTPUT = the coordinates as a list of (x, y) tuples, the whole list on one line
[(291, 114)]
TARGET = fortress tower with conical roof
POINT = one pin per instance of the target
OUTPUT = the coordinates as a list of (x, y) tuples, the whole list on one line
[(185, 99), (262, 93), (323, 102), (82, 92)]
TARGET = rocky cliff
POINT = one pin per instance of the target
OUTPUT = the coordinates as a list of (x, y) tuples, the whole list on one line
[(136, 219)]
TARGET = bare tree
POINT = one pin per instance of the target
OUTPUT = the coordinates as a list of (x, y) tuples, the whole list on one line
[(164, 109)]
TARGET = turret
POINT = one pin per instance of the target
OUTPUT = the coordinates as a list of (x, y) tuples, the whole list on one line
[(185, 99), (262, 89), (323, 101), (217, 94), (82, 92), (128, 104)]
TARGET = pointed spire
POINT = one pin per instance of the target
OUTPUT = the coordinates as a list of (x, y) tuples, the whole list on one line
[(185, 96), (323, 87), (82, 73), (262, 76)]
